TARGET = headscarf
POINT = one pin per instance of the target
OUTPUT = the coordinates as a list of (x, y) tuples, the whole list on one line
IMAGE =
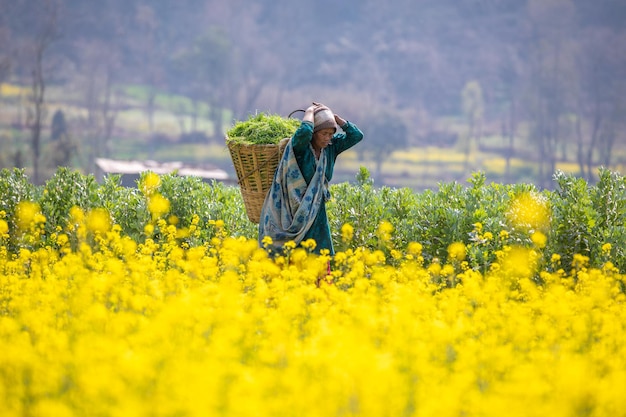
[(324, 118)]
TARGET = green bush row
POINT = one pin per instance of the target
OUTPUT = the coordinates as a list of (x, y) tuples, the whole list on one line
[(584, 217)]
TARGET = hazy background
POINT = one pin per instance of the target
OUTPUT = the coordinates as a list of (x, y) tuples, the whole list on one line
[(534, 83)]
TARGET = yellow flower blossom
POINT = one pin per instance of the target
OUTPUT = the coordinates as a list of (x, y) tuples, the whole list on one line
[(4, 228), (62, 239), (530, 210), (415, 248), (27, 213), (539, 239), (434, 268), (77, 215), (457, 251), (150, 183), (309, 244), (347, 232), (158, 205), (447, 270), (385, 231), (98, 221), (267, 241)]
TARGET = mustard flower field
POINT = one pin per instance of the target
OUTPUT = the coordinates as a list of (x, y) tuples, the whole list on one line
[(185, 322)]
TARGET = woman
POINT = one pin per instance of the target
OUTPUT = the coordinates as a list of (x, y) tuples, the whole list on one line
[(295, 206)]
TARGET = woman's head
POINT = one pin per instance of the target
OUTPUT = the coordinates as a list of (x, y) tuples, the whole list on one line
[(322, 138), (324, 127)]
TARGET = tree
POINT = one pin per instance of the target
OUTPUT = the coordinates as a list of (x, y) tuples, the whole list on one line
[(600, 99), (510, 86), (58, 129), (5, 42), (38, 46), (551, 79), (95, 82), (205, 65), (473, 109), (146, 48), (386, 133), (62, 146)]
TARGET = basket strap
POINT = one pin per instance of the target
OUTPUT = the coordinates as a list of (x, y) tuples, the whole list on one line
[(295, 111)]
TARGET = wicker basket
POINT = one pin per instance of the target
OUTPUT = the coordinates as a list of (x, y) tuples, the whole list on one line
[(255, 166)]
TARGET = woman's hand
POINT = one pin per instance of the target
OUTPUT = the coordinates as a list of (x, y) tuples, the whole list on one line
[(320, 106), (309, 114), (340, 122)]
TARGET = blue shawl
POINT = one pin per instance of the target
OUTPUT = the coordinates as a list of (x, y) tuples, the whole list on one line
[(292, 205)]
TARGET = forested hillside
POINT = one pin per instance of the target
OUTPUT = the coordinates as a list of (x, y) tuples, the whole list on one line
[(546, 78)]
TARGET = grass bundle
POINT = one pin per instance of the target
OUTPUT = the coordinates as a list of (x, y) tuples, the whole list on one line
[(262, 129)]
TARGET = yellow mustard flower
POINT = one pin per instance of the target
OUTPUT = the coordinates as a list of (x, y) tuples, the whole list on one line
[(62, 239), (530, 210), (267, 241), (434, 268), (77, 215), (26, 212), (385, 229), (539, 239), (457, 251), (347, 232), (99, 221), (414, 248), (4, 228), (150, 183), (309, 244), (158, 205)]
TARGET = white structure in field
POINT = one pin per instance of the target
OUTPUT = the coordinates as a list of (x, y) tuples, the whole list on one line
[(131, 170)]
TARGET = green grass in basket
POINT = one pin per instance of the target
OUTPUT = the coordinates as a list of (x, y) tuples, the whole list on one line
[(262, 129)]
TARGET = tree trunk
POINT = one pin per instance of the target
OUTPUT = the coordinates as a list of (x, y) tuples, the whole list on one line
[(595, 133), (38, 91)]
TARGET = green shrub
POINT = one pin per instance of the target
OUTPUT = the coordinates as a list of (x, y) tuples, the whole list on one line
[(586, 217), (64, 190), (14, 188), (190, 197), (587, 220), (127, 206)]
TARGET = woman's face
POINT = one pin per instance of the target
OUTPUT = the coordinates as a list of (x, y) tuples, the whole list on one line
[(322, 138)]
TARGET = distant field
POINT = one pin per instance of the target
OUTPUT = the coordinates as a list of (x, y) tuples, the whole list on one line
[(416, 167)]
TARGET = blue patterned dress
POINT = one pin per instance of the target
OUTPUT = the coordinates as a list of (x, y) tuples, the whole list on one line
[(278, 202)]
